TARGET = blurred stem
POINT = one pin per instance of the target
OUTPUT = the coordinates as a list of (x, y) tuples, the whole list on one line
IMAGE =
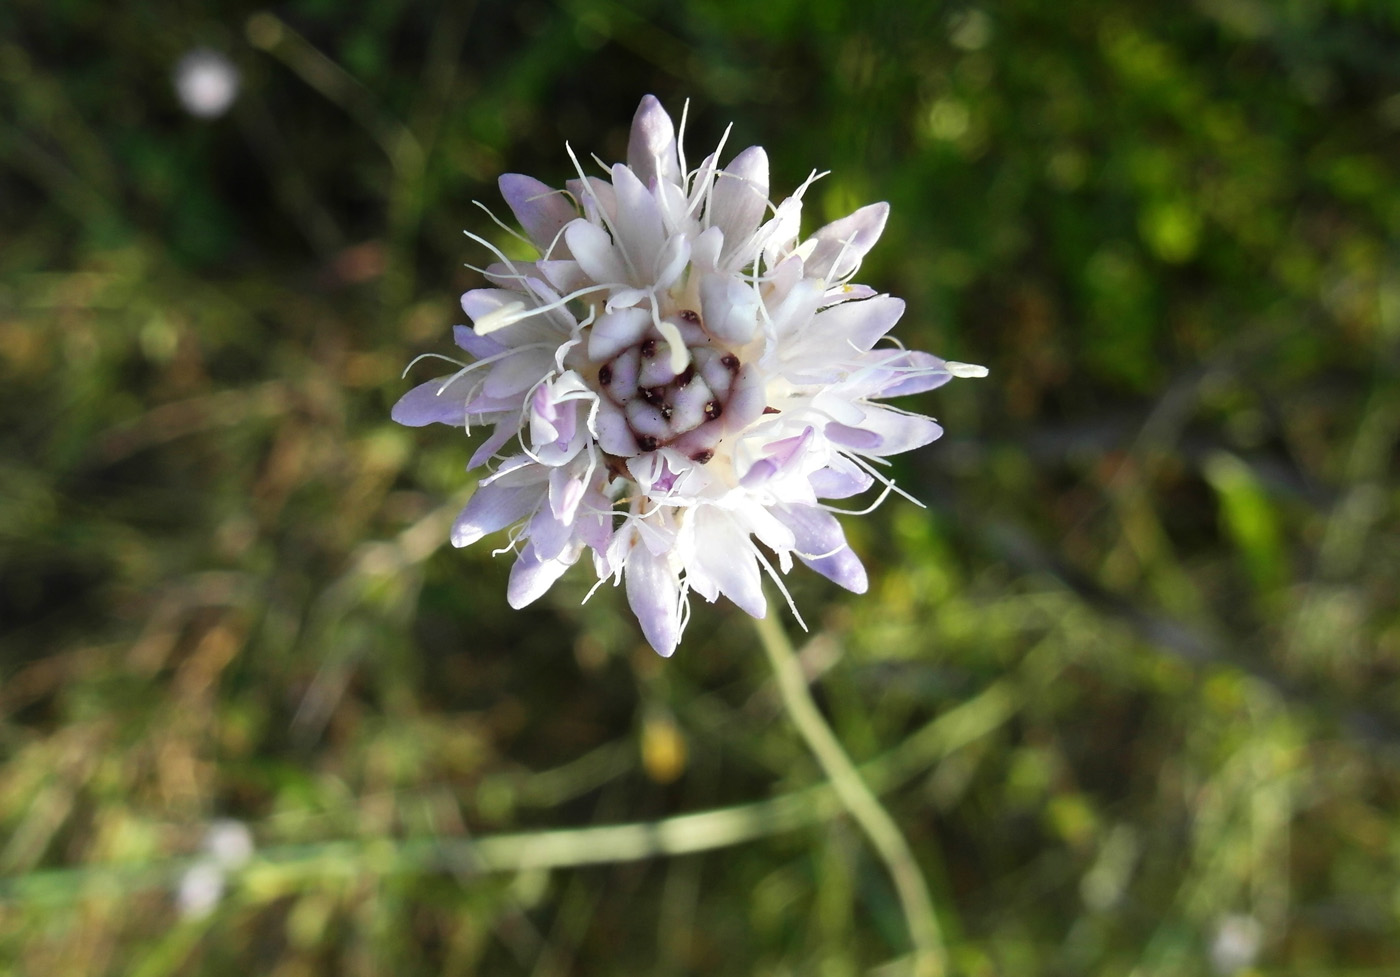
[(930, 957)]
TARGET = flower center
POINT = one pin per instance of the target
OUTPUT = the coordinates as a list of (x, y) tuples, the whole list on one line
[(664, 408)]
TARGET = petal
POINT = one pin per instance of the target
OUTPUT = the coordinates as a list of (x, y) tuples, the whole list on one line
[(505, 430), (838, 247), (886, 432), (531, 577), (594, 251), (910, 373), (651, 148), (794, 312), (487, 306), (653, 591), (840, 479), (440, 401), (857, 324), (494, 507), (541, 210), (846, 293), (724, 553), (482, 347), (617, 331), (843, 568), (613, 432), (729, 308), (517, 373), (739, 199), (639, 230), (597, 197), (670, 261), (821, 545)]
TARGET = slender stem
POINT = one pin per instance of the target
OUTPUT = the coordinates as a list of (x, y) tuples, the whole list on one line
[(930, 956)]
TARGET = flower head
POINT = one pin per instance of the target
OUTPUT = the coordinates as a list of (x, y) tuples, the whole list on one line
[(677, 379)]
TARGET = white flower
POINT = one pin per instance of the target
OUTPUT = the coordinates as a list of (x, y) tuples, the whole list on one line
[(206, 82), (227, 846), (676, 380)]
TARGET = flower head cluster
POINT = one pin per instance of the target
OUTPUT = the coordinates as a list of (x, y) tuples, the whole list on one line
[(678, 378)]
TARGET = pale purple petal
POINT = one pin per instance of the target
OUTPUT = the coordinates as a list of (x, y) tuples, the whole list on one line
[(841, 479), (821, 544), (440, 401), (651, 148), (482, 347), (481, 303), (597, 197), (852, 437), (653, 591), (494, 507), (541, 210), (886, 432), (531, 577), (911, 372), (517, 373), (503, 433)]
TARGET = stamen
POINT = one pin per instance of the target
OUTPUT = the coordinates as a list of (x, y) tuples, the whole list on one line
[(965, 370)]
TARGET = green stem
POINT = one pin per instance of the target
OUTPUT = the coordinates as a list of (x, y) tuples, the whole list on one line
[(930, 956)]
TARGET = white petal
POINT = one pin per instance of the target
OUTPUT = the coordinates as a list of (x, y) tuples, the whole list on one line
[(639, 230), (725, 554), (595, 254), (837, 249), (739, 199), (852, 324), (729, 307)]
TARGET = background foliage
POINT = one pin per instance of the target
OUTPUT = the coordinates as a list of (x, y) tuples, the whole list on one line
[(1129, 683)]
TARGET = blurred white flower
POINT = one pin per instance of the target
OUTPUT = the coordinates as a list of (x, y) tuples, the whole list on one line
[(679, 378), (1236, 946), (227, 846), (206, 82)]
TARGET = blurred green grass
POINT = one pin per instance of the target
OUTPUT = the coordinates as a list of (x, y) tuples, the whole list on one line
[(1130, 682)]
